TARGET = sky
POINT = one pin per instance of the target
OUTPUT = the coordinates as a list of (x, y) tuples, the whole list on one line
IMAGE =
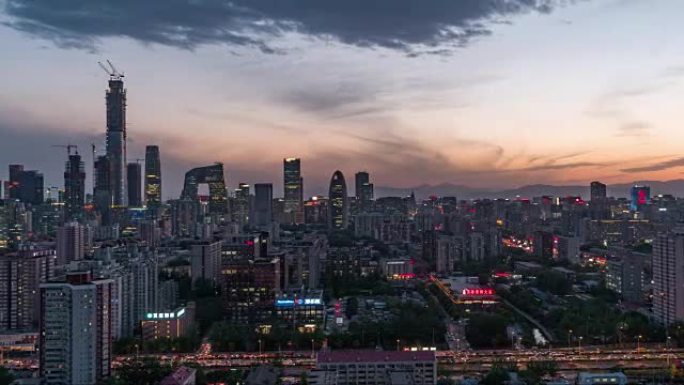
[(484, 93)]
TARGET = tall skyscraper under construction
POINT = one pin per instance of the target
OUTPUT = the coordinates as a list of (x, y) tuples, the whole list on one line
[(74, 187), (116, 138)]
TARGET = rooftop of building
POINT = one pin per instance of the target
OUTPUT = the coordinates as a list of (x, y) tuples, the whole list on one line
[(341, 356), (262, 375), (179, 376)]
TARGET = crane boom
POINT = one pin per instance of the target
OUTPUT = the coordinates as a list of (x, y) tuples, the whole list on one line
[(111, 70), (68, 147)]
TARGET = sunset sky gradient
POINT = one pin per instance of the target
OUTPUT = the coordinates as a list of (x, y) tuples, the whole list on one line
[(486, 93)]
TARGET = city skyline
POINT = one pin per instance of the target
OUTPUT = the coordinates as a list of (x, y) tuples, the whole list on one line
[(314, 93), (326, 192)]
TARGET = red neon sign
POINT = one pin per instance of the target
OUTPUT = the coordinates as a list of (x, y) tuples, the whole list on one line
[(641, 197), (486, 291)]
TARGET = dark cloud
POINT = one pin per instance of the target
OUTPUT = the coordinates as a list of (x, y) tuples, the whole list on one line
[(396, 24), (344, 99), (660, 166)]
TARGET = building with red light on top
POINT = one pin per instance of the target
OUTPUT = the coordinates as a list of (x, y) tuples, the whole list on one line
[(397, 268)]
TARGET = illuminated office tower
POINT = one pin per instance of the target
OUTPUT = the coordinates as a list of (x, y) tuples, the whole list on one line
[(153, 183), (116, 139), (641, 196), (15, 171), (74, 187), (293, 190), (338, 206), (134, 176), (25, 186), (240, 210), (213, 177)]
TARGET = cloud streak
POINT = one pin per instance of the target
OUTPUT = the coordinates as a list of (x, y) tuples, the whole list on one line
[(636, 129), (409, 25), (660, 166)]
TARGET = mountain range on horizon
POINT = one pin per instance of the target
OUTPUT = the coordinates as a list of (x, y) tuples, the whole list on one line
[(673, 187)]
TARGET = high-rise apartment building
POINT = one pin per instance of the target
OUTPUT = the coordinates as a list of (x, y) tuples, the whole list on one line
[(338, 205), (116, 139), (263, 205), (102, 186), (74, 187), (668, 275), (153, 181), (293, 190), (625, 274), (134, 177), (75, 330), (70, 243), (21, 274)]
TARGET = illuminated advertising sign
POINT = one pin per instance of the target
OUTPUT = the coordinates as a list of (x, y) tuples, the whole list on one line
[(484, 291), (163, 316), (298, 302)]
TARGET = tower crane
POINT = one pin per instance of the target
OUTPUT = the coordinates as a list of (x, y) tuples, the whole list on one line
[(113, 73), (68, 147)]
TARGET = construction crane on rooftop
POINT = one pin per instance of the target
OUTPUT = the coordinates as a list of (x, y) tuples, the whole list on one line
[(113, 73), (68, 147)]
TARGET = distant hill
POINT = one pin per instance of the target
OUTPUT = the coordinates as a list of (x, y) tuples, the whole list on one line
[(673, 187)]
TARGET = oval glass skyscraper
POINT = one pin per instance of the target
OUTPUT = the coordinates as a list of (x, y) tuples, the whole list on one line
[(338, 206)]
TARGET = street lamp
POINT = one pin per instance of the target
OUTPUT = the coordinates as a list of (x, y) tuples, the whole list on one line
[(639, 342), (579, 344), (259, 346), (397, 344), (312, 348), (569, 337)]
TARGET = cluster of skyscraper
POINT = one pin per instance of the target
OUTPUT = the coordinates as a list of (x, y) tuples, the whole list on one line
[(80, 270)]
